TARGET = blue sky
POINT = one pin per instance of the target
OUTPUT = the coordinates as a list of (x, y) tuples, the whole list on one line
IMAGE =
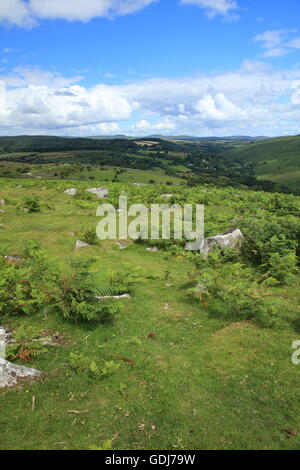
[(140, 67)]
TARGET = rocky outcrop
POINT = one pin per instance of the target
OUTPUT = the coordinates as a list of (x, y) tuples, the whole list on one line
[(232, 239), (100, 192)]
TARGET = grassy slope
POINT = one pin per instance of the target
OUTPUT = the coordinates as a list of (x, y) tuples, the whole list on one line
[(278, 159), (203, 383)]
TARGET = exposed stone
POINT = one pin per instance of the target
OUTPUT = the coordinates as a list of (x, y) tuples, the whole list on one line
[(167, 196), (107, 297), (2, 211), (71, 192), (10, 374), (121, 246), (2, 202), (80, 244), (152, 249), (100, 192), (232, 239)]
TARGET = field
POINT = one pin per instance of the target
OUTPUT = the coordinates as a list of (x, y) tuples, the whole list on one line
[(186, 371), (278, 159)]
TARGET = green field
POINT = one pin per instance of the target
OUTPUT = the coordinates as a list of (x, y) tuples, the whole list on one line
[(277, 159), (190, 373)]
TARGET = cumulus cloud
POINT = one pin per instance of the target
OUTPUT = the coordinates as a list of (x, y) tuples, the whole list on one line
[(256, 99), (215, 7), (218, 108), (26, 102), (26, 13)]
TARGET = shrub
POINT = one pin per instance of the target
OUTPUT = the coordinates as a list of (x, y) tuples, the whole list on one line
[(32, 203), (26, 284), (89, 236), (77, 292)]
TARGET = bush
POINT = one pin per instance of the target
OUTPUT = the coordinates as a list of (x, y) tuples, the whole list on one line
[(27, 282), (32, 203), (77, 292), (89, 236)]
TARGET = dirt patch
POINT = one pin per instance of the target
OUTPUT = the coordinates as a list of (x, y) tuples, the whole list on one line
[(233, 326)]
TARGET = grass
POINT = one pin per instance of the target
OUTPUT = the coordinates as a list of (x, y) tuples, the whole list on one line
[(199, 382), (278, 159)]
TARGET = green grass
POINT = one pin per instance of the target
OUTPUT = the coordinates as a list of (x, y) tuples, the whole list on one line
[(278, 159), (93, 173), (201, 383)]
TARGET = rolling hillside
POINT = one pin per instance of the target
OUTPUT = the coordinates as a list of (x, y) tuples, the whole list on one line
[(277, 159)]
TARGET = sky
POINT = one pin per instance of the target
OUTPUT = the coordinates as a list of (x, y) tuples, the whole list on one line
[(144, 67)]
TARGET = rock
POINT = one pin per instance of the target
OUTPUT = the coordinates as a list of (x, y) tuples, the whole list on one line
[(152, 249), (80, 244), (167, 196), (121, 246), (139, 184), (10, 374), (100, 192), (2, 203), (71, 192), (106, 297), (232, 239), (3, 341), (2, 211)]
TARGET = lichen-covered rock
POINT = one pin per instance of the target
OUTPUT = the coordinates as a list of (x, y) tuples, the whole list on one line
[(11, 374), (71, 192), (232, 239), (100, 192)]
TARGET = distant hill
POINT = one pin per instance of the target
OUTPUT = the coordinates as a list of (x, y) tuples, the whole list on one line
[(277, 159), (212, 138), (61, 144)]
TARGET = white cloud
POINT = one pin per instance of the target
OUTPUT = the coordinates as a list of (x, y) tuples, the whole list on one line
[(47, 101), (27, 12), (215, 7), (144, 127), (109, 127), (218, 108), (276, 43), (255, 99), (23, 13), (15, 12)]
